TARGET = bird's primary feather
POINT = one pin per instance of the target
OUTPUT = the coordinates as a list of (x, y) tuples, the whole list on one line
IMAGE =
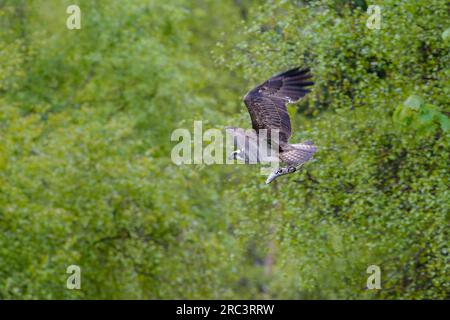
[(267, 102)]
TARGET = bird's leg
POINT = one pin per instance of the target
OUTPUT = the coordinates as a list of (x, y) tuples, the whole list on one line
[(281, 172), (277, 173), (291, 169)]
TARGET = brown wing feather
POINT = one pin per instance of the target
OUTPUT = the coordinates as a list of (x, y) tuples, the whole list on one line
[(267, 102)]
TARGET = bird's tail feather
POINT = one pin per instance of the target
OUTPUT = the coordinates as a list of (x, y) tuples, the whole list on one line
[(297, 154), (307, 146)]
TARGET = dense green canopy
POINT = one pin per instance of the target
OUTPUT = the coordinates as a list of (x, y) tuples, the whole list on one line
[(86, 176)]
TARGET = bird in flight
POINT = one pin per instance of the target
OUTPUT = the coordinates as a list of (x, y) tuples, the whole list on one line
[(266, 104)]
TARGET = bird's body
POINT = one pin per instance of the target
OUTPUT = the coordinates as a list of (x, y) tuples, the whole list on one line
[(271, 123)]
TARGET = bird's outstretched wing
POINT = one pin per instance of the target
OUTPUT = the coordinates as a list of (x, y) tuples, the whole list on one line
[(267, 102)]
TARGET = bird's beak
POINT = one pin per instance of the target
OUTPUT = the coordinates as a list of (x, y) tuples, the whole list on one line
[(271, 177)]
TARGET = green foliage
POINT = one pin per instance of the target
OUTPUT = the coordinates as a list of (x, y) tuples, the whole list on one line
[(446, 35), (424, 118), (416, 114), (86, 176)]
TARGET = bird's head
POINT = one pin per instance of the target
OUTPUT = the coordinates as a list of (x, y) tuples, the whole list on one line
[(235, 155), (279, 172)]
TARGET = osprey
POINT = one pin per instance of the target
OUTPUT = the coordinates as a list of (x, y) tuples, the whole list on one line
[(267, 107)]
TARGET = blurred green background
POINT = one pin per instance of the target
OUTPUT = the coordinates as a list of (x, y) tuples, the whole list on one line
[(86, 176)]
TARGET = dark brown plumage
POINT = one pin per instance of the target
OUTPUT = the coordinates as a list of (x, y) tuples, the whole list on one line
[(267, 102), (267, 107)]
